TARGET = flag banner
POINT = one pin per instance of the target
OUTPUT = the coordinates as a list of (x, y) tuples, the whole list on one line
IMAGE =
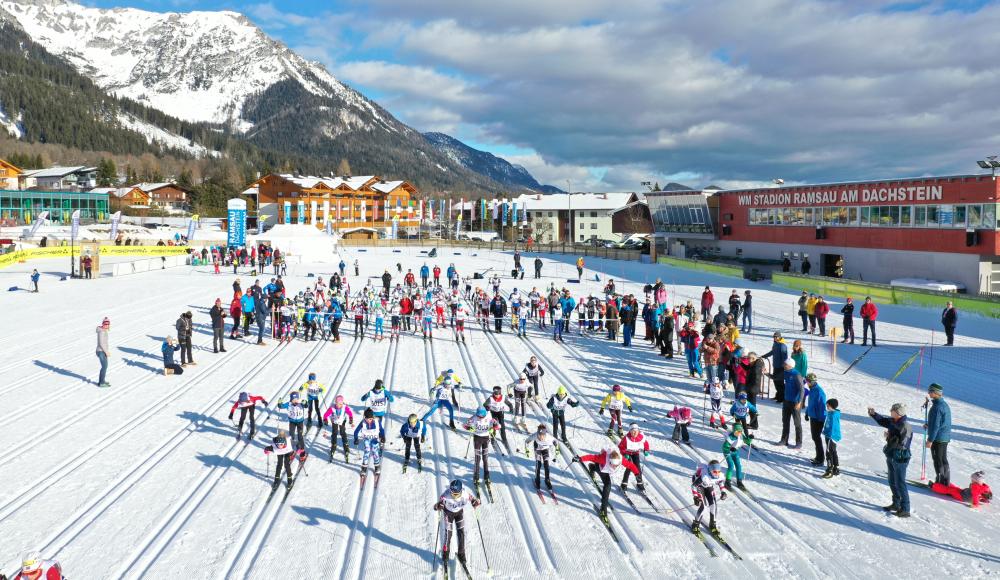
[(288, 212), (301, 209), (374, 211), (441, 207), (496, 209), (420, 212), (524, 214), (313, 210), (461, 207), (326, 212), (364, 211), (395, 228), (237, 222), (338, 211), (514, 214), (451, 209), (115, 218), (42, 216), (192, 224), (506, 214)]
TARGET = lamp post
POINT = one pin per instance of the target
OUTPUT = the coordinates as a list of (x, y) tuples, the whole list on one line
[(569, 208), (990, 163)]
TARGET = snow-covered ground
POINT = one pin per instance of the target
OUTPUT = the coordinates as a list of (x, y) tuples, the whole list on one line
[(145, 479)]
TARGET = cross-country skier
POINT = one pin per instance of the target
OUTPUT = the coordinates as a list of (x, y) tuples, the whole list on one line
[(557, 404), (413, 432), (543, 445), (495, 404), (731, 451), (533, 371), (378, 311), (460, 313), (452, 504), (483, 427), (281, 448), (371, 437), (395, 314), (247, 404), (313, 389), (707, 479), (296, 417), (606, 464), (378, 400), (518, 390), (633, 445), (428, 322), (682, 418), (742, 410), (615, 401), (715, 391), (338, 415), (287, 314), (444, 396), (33, 567)]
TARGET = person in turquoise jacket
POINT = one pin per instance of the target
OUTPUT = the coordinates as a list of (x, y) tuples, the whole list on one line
[(831, 432), (731, 451), (938, 429), (816, 413)]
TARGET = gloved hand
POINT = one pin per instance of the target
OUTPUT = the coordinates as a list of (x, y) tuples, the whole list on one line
[(355, 441), (723, 496), (476, 502), (630, 409), (601, 412), (423, 439), (267, 451), (527, 453), (230, 416), (266, 404), (437, 507), (697, 501), (576, 459), (645, 453), (381, 440)]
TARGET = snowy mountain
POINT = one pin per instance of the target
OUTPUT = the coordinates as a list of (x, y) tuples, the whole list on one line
[(219, 68), (485, 163)]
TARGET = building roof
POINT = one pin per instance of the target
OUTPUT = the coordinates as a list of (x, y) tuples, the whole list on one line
[(628, 205), (578, 201), (147, 187), (386, 186), (59, 171), (887, 180)]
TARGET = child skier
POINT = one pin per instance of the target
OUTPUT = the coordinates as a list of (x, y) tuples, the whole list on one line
[(543, 445), (632, 445), (395, 314), (606, 464), (557, 404), (428, 326), (977, 492), (444, 397), (460, 314), (534, 372), (379, 312), (831, 432), (296, 417), (284, 452), (371, 436), (707, 479), (313, 389), (338, 416), (484, 428), (33, 567), (452, 504), (741, 410), (378, 400), (495, 404), (715, 390), (731, 451), (413, 432), (682, 418), (247, 404), (615, 401), (287, 327), (518, 390)]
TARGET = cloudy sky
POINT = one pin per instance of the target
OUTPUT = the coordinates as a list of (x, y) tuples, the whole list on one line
[(610, 93)]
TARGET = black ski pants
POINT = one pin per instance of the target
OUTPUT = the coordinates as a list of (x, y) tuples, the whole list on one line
[(334, 430), (816, 430), (457, 518), (244, 412), (542, 459), (498, 417), (295, 430), (605, 487), (415, 442), (636, 459), (559, 424), (186, 350), (939, 454), (314, 404), (482, 445), (283, 461)]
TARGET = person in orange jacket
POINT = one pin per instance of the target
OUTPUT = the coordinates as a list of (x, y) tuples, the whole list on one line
[(869, 312)]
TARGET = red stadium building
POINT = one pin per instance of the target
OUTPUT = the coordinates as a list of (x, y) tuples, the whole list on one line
[(936, 228)]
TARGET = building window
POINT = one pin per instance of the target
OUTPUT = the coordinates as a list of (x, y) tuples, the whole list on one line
[(919, 216), (932, 215), (974, 215), (593, 214), (550, 214), (593, 226), (582, 225), (582, 237), (959, 216), (905, 214)]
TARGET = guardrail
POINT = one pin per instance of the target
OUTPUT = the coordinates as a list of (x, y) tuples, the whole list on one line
[(886, 294), (702, 266), (500, 246), (145, 265)]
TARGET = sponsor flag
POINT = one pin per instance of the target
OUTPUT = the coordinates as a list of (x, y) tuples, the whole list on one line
[(192, 224), (75, 220), (42, 216)]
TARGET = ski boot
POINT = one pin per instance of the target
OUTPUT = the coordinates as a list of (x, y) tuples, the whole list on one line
[(611, 432), (739, 485), (347, 454), (309, 424), (828, 473), (486, 479), (239, 435), (696, 527), (420, 465), (538, 484), (620, 432), (451, 425), (729, 485), (641, 487), (277, 482), (712, 527), (548, 484), (564, 440), (624, 487), (836, 471)]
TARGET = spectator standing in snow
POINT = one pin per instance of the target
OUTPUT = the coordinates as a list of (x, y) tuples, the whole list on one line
[(821, 310), (794, 395), (816, 413), (707, 300), (938, 430), (803, 313), (848, 312), (35, 276), (538, 267), (869, 312), (778, 354), (949, 318), (102, 351), (747, 310), (898, 436), (218, 315), (806, 267)]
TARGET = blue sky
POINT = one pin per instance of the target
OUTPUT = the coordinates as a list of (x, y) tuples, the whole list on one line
[(609, 93)]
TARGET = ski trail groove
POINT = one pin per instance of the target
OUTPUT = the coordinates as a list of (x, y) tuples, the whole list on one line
[(439, 435), (516, 482), (248, 546), (149, 549)]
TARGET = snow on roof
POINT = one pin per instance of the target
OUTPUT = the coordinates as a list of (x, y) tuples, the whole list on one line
[(387, 186), (578, 201), (147, 187), (59, 171), (293, 231), (115, 191)]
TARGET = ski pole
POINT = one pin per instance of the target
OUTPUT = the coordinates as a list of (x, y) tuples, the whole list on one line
[(268, 456), (923, 452), (704, 407), (467, 447), (489, 569), (437, 536)]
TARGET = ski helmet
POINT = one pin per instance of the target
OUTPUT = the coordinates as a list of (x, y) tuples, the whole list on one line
[(339, 400), (561, 391), (742, 396), (481, 412), (455, 487), (633, 427), (497, 390), (378, 384), (523, 377), (31, 562), (294, 396), (617, 388), (369, 414), (412, 419), (714, 466), (312, 376), (244, 397), (447, 382)]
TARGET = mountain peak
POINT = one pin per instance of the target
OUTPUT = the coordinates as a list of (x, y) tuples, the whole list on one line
[(486, 163)]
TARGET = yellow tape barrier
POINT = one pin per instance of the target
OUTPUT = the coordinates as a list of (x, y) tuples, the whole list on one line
[(65, 252)]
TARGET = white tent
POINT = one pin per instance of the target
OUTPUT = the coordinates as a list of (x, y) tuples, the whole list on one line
[(305, 241)]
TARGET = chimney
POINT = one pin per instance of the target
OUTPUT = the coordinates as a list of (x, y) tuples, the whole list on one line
[(538, 197), (604, 196)]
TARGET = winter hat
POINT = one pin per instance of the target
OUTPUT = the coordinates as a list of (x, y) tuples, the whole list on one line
[(979, 477), (106, 322), (935, 388), (369, 414), (737, 426), (339, 400), (898, 408), (811, 377), (789, 363), (244, 397), (742, 396), (617, 388), (561, 390), (633, 427), (714, 466), (777, 335), (312, 376), (218, 300), (378, 384), (832, 403), (294, 396), (542, 428), (481, 412)]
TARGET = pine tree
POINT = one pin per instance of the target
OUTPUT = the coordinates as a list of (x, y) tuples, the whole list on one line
[(107, 173), (344, 168)]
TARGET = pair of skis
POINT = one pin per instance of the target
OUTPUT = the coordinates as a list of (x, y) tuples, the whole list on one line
[(478, 489), (714, 532), (541, 495)]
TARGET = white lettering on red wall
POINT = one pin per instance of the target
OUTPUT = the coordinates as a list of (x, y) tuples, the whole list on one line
[(845, 197)]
